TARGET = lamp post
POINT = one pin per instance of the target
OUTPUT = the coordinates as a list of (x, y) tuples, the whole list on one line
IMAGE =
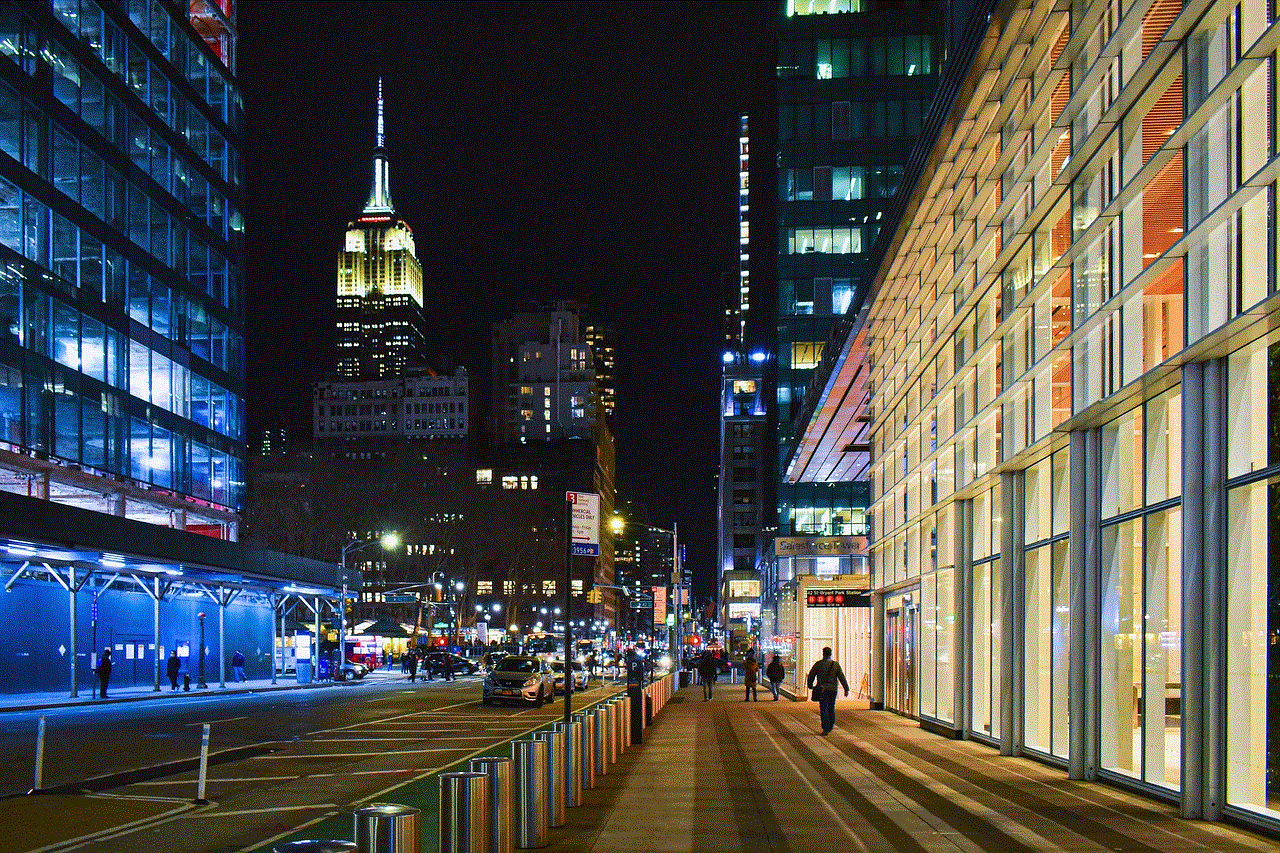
[(388, 542), (200, 675), (676, 581)]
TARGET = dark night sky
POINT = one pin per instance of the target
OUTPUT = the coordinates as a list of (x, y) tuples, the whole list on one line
[(575, 150)]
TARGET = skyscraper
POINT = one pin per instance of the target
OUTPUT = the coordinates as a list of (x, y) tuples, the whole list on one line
[(544, 378), (381, 330), (121, 282), (855, 81)]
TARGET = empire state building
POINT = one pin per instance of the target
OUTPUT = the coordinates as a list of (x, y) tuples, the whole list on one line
[(381, 330)]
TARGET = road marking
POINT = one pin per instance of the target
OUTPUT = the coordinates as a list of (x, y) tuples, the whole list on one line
[(308, 755), (160, 782), (239, 812), (115, 831), (227, 720)]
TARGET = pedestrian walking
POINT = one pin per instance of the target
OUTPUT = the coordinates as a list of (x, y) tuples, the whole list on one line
[(775, 672), (707, 671), (825, 677), (237, 666), (172, 668), (750, 676), (390, 658), (404, 663), (413, 667), (103, 672)]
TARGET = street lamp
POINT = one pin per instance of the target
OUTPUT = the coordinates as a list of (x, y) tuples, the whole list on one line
[(676, 581), (388, 541)]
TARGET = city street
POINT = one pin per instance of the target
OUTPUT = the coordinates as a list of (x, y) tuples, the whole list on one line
[(279, 760)]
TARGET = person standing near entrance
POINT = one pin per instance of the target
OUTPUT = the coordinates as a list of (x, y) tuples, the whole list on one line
[(172, 668), (411, 664), (775, 672), (104, 672), (825, 677), (750, 676), (237, 666)]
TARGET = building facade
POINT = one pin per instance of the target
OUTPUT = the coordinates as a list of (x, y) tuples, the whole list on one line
[(1073, 373), (855, 81), (418, 405), (744, 463), (544, 384), (381, 329), (122, 293)]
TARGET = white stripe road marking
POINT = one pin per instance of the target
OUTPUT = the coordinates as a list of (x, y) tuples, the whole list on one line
[(374, 797), (306, 755), (160, 782), (239, 812)]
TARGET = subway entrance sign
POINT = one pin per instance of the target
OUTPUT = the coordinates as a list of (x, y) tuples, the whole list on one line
[(836, 598)]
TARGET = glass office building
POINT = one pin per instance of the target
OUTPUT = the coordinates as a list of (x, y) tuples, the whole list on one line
[(855, 81), (121, 260), (1075, 372)]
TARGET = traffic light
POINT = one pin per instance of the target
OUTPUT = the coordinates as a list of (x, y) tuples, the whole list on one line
[(594, 596)]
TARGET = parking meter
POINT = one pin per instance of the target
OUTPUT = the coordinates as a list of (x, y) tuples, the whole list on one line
[(635, 692)]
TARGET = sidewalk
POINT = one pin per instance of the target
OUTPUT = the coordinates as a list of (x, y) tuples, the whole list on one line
[(731, 776), (89, 693)]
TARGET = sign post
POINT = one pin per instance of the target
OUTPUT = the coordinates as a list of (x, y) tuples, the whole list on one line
[(581, 538)]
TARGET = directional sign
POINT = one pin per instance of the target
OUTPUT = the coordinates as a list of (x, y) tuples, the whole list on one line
[(585, 529), (399, 598)]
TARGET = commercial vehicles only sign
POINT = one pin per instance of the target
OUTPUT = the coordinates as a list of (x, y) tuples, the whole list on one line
[(584, 512)]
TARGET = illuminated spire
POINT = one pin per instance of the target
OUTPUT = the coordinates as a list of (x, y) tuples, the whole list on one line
[(380, 198), (381, 132)]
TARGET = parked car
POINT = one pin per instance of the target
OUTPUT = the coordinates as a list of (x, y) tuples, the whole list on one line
[(353, 670), (579, 676), (490, 659), (519, 678), (439, 661)]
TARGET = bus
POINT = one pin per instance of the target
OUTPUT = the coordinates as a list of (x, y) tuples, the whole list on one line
[(543, 645)]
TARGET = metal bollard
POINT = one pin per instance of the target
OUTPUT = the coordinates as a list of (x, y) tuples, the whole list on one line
[(610, 751), (600, 742), (615, 744), (530, 758), (555, 775), (620, 724), (502, 798), (315, 847), (572, 762), (464, 812), (587, 733), (625, 703), (388, 828)]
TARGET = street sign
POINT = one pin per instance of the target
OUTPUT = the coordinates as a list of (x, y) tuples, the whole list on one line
[(399, 598), (585, 529)]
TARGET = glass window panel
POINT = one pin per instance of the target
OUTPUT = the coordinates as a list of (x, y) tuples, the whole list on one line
[(1162, 631), (1121, 648), (1038, 650)]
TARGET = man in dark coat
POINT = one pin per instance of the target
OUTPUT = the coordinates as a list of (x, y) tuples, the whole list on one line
[(172, 668), (775, 672), (825, 678), (104, 672), (413, 667), (707, 671)]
